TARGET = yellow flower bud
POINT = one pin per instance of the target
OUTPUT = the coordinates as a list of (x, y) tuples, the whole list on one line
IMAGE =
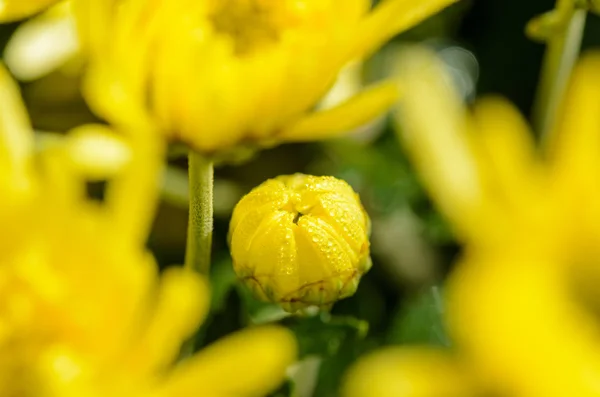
[(300, 240)]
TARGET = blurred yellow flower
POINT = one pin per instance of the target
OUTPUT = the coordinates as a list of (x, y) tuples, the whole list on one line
[(300, 240), (223, 74), (407, 372), (83, 310), (12, 10), (522, 303)]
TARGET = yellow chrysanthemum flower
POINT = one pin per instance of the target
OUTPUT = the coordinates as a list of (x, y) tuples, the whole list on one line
[(83, 310), (12, 10), (223, 74), (300, 240), (521, 304)]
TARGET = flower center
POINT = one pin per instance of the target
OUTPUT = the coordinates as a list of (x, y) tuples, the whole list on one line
[(255, 23)]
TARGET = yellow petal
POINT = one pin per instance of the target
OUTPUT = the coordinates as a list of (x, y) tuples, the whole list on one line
[(249, 363), (407, 372), (575, 151), (97, 151), (506, 308), (42, 44), (353, 113), (433, 126), (509, 152), (12, 10), (132, 197), (349, 83), (391, 17), (94, 20), (181, 307), (16, 134)]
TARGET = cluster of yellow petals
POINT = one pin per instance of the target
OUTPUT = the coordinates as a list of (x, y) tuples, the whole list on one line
[(83, 308), (223, 74), (522, 301), (300, 240)]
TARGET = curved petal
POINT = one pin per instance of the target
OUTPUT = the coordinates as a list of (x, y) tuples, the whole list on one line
[(249, 363), (434, 126), (93, 19), (391, 17), (132, 197), (182, 304), (575, 150), (514, 306), (43, 44), (509, 152), (16, 134), (97, 151), (407, 372), (350, 114)]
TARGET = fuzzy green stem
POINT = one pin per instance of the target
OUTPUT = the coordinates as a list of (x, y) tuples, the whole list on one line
[(200, 224), (560, 57)]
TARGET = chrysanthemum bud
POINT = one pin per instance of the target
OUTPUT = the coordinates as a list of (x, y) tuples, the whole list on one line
[(300, 240)]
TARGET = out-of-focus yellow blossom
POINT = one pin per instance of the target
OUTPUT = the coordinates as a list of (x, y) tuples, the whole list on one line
[(43, 44), (407, 372), (300, 240), (12, 10), (83, 310), (522, 301), (223, 74)]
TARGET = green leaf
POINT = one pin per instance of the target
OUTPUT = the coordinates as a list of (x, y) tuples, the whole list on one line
[(222, 281), (257, 312), (421, 321), (324, 334)]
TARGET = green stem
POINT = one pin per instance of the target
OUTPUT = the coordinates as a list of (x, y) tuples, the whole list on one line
[(200, 224), (561, 54)]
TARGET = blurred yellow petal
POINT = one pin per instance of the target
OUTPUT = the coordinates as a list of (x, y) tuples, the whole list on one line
[(508, 150), (97, 151), (342, 118), (433, 127), (248, 363), (42, 44), (12, 10), (514, 318), (575, 151), (94, 21), (391, 17), (132, 196), (349, 82), (407, 372), (16, 136), (182, 304)]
